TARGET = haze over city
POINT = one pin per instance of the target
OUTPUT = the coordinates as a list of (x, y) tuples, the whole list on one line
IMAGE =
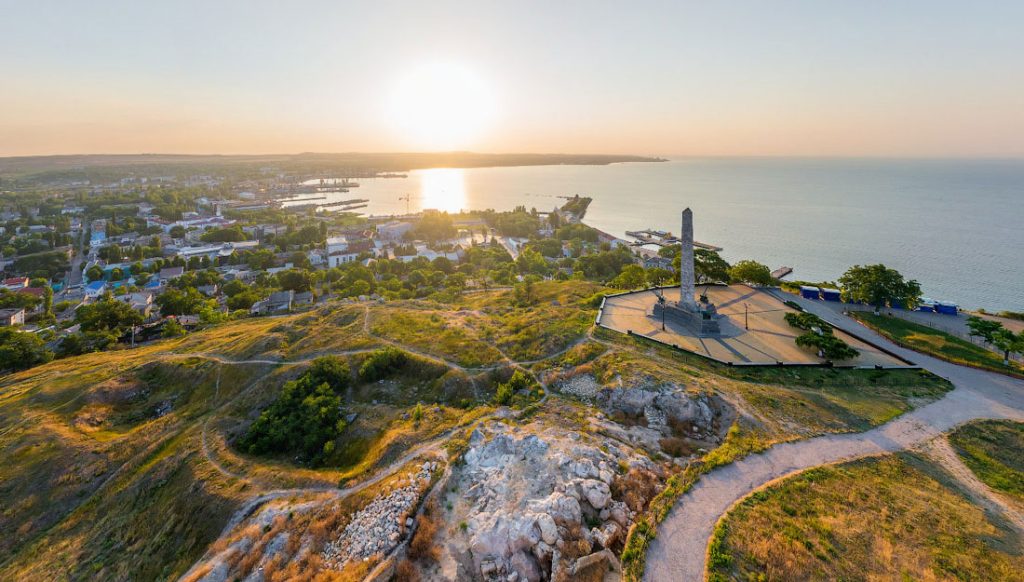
[(916, 79)]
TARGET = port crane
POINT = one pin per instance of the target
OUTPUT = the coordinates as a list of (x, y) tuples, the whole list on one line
[(406, 198)]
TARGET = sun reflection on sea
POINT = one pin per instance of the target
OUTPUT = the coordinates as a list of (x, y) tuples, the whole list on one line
[(443, 189)]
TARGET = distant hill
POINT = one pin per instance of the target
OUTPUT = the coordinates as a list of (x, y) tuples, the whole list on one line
[(70, 166)]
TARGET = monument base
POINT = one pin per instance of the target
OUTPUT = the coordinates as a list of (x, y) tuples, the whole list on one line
[(702, 321)]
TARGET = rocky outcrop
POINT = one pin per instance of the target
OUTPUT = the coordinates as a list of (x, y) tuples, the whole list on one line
[(379, 526), (524, 501)]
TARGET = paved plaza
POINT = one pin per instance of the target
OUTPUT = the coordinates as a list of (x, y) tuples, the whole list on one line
[(769, 338)]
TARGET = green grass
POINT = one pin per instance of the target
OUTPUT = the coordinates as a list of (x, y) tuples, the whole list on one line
[(994, 451), (887, 518), (936, 343), (439, 333)]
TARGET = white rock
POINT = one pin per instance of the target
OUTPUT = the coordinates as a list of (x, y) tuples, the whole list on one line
[(597, 493), (548, 529)]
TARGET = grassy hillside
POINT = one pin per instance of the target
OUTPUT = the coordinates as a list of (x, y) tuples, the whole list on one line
[(994, 450), (889, 518), (123, 465)]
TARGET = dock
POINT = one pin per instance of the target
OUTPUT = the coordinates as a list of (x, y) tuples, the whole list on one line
[(663, 238), (781, 272)]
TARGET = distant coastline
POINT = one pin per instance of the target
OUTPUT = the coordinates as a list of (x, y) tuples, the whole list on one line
[(354, 163)]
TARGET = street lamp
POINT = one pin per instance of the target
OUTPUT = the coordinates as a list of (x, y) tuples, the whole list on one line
[(746, 320)]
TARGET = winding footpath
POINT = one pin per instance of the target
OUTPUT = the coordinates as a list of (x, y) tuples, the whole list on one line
[(678, 552)]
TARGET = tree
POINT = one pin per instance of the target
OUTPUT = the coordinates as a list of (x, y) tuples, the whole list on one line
[(657, 276), (1009, 343), (829, 346), (173, 329), (984, 328), (94, 273), (177, 231), (20, 350), (710, 267), (751, 272), (295, 280), (231, 234), (531, 262), (234, 287), (631, 277), (180, 301), (107, 315), (242, 300), (330, 370), (879, 285)]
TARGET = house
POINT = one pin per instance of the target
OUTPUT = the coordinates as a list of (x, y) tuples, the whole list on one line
[(316, 257), (12, 316), (170, 273), (99, 233), (394, 230), (303, 298), (141, 301), (15, 283), (657, 262), (278, 302), (95, 289), (208, 290)]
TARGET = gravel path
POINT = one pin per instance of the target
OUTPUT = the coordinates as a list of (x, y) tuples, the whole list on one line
[(678, 552)]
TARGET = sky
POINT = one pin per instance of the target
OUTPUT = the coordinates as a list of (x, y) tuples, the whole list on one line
[(905, 78)]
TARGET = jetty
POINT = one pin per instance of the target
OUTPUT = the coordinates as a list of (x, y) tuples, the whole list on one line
[(781, 272), (663, 238)]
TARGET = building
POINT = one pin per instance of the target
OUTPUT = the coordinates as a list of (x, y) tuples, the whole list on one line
[(212, 251), (12, 316), (303, 298), (170, 273), (98, 237), (95, 289), (15, 283), (278, 302), (342, 250), (393, 231)]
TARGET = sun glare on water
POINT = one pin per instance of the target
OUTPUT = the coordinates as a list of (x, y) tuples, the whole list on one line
[(443, 189), (441, 107)]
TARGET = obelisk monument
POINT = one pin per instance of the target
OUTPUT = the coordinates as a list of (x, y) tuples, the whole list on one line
[(687, 286)]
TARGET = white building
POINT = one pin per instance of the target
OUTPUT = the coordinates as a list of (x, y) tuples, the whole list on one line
[(393, 231)]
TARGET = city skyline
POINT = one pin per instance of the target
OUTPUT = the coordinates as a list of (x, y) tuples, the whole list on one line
[(748, 78)]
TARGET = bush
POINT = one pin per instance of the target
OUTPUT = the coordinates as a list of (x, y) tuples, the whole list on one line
[(304, 420), (830, 347), (330, 370), (382, 363), (807, 321)]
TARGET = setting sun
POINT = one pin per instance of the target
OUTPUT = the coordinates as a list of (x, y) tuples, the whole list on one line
[(441, 107)]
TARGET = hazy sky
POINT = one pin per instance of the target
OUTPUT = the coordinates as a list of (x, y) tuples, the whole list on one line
[(815, 77)]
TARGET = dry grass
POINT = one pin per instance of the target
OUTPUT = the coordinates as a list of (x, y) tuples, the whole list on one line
[(887, 518), (423, 546)]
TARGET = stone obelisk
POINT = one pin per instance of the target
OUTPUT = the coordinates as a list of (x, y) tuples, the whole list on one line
[(687, 286)]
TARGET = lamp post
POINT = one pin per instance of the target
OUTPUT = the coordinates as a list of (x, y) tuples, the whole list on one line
[(746, 320)]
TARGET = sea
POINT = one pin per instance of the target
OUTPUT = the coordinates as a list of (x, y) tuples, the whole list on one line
[(956, 226)]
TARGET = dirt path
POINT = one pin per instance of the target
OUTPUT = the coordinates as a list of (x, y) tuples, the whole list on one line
[(678, 551), (940, 451)]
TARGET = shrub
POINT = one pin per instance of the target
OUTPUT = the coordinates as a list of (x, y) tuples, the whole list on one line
[(305, 419), (830, 347), (382, 363)]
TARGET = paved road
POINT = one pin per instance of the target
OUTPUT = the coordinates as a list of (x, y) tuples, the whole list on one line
[(678, 552)]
